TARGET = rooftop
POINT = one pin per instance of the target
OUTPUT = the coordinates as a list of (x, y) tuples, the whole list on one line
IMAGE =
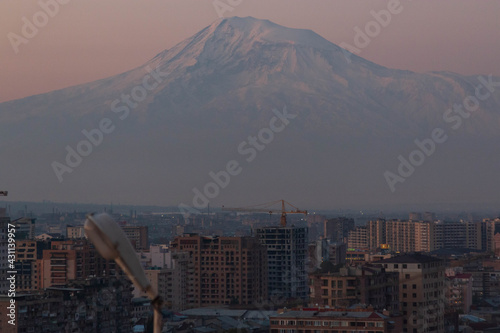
[(410, 258), (330, 314)]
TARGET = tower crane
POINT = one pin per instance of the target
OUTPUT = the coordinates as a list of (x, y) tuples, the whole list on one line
[(267, 208)]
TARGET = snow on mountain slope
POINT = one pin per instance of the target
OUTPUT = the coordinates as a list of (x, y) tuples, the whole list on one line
[(211, 91)]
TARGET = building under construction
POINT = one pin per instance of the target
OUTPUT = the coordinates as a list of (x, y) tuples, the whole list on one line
[(286, 256)]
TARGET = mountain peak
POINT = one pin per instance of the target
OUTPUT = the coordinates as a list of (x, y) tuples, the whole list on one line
[(267, 31)]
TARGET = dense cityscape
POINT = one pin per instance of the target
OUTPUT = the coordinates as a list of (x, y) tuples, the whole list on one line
[(227, 271)]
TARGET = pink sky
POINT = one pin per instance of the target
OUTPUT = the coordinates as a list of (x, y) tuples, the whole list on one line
[(89, 40)]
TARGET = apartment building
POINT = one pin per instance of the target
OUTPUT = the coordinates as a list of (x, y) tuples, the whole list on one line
[(332, 321), (75, 232), (71, 259), (286, 259), (368, 284), (376, 233), (337, 229), (459, 292), (28, 254), (410, 236), (421, 291), (25, 228), (358, 238), (427, 236), (453, 235), (226, 270), (138, 236), (92, 305)]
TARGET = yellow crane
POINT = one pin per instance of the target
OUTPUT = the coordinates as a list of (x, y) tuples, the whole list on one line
[(267, 208)]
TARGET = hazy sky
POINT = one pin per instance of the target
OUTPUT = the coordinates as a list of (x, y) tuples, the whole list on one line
[(88, 40)]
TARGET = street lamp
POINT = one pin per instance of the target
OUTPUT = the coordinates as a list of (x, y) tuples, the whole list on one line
[(112, 243)]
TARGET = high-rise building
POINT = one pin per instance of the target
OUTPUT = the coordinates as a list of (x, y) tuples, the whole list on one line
[(426, 236), (172, 275), (410, 236), (453, 235), (179, 284), (421, 291), (376, 233), (337, 229), (138, 236), (358, 238), (25, 228), (226, 270), (286, 257)]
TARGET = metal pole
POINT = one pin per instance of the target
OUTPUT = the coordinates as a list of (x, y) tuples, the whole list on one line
[(158, 317)]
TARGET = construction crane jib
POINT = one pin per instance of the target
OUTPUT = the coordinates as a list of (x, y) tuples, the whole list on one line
[(267, 208)]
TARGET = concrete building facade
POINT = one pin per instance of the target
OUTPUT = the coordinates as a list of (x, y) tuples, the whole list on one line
[(358, 238), (368, 284), (286, 258), (138, 236), (313, 320), (337, 229), (421, 291), (226, 270)]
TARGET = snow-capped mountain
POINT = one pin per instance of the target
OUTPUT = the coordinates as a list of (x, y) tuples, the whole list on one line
[(166, 125)]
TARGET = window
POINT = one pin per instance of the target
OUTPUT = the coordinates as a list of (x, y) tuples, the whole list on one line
[(404, 286), (396, 266), (414, 286), (405, 266), (407, 276)]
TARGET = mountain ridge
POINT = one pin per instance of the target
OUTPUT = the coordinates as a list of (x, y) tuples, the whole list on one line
[(219, 86)]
